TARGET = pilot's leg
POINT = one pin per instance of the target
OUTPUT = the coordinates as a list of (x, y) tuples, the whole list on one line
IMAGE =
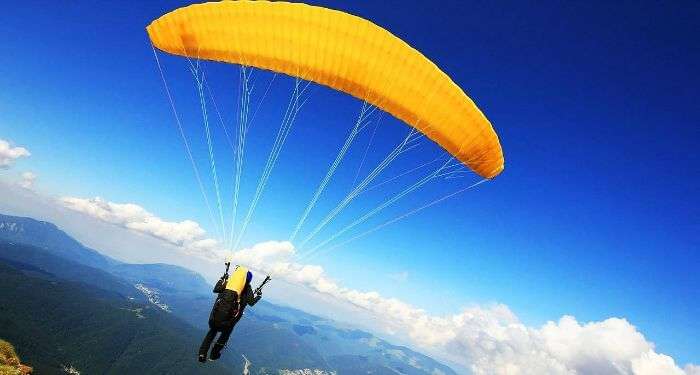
[(206, 343), (221, 343)]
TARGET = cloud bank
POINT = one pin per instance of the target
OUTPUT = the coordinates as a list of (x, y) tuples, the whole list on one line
[(483, 339), (27, 180), (187, 234), (9, 154)]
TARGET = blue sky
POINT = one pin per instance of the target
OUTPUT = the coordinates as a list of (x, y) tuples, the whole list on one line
[(596, 214)]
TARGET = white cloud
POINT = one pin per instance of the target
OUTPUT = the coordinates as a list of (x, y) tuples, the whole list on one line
[(28, 180), (8, 154), (187, 234), (692, 369), (483, 339), (652, 363)]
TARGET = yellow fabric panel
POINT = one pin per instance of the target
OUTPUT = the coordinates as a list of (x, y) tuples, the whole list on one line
[(236, 281), (341, 51)]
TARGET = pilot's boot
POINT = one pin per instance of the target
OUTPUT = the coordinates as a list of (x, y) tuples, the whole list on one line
[(216, 351)]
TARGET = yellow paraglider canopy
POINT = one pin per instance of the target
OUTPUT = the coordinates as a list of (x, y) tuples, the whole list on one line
[(344, 52)]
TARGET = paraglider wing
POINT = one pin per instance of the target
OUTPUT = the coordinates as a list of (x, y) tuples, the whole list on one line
[(344, 52)]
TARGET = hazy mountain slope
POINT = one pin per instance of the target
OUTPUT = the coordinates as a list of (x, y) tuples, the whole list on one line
[(45, 235), (178, 290), (344, 349), (45, 261), (182, 291), (166, 277), (271, 348)]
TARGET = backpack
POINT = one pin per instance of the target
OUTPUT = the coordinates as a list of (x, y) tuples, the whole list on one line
[(225, 309)]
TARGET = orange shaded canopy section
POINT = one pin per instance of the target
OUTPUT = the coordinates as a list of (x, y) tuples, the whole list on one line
[(341, 51)]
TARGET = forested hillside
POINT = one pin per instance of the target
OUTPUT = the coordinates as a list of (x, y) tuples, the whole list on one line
[(55, 323)]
